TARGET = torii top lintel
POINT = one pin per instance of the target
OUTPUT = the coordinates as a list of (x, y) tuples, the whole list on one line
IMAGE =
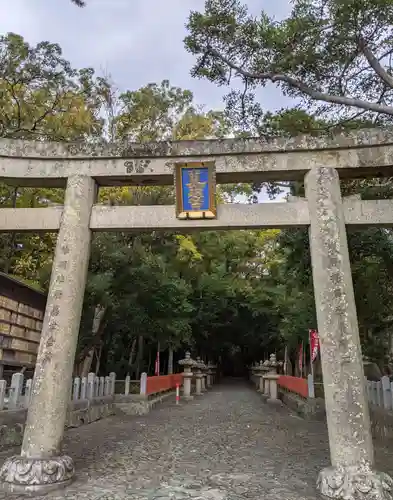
[(367, 152)]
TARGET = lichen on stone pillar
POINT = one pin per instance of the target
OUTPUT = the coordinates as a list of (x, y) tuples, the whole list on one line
[(351, 475), (41, 467)]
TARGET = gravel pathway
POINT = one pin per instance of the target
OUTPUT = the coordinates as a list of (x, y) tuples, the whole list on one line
[(225, 445)]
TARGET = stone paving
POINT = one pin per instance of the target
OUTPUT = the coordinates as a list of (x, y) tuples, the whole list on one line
[(225, 445)]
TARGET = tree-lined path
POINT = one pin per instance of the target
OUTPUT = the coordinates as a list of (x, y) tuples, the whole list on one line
[(225, 445)]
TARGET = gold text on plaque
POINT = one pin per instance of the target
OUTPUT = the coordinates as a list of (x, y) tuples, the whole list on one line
[(195, 189)]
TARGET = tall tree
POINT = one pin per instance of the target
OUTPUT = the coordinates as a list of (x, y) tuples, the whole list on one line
[(335, 56), (42, 97), (158, 112)]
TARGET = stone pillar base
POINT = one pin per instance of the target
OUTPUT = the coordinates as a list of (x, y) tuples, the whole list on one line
[(188, 398), (355, 483), (272, 401), (36, 476)]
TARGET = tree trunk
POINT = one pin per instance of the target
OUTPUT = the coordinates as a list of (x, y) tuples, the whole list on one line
[(149, 362), (98, 358), (140, 357), (132, 356), (87, 362), (96, 329), (170, 361)]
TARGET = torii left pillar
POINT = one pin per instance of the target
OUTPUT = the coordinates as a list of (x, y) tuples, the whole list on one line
[(41, 467)]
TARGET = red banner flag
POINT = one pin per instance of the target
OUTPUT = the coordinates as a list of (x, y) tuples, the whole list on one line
[(157, 365), (314, 344)]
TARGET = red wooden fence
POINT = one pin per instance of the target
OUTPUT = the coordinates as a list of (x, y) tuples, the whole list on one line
[(163, 383), (294, 384)]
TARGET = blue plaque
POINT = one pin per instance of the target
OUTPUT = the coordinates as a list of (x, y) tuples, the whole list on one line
[(195, 190)]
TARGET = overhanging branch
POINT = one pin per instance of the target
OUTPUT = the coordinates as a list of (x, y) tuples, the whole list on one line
[(375, 64), (304, 88)]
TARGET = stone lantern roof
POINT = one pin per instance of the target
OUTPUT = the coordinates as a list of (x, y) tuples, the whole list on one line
[(200, 364), (188, 361)]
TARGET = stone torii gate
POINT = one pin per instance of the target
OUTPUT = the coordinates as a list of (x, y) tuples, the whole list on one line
[(81, 168)]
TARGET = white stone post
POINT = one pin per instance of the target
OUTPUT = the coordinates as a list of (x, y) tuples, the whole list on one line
[(101, 390), (16, 390), (351, 449), (311, 387), (91, 384), (29, 385), (41, 467), (84, 388), (387, 399), (77, 384), (96, 386), (112, 377), (379, 393), (107, 386), (127, 385), (143, 385), (3, 388)]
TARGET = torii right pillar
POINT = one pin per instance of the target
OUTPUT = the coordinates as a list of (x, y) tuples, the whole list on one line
[(351, 475)]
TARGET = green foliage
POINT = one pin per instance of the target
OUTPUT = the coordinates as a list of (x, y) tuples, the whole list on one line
[(42, 97), (335, 56)]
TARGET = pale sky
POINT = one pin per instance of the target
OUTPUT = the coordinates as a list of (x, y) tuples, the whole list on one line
[(136, 41)]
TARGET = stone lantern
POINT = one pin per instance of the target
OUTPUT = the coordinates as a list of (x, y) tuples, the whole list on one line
[(271, 378), (199, 376), (273, 365), (253, 374), (204, 374), (265, 369), (208, 375), (258, 372), (188, 363), (213, 369)]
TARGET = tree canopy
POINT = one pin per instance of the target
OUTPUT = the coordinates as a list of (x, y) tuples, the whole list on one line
[(335, 56)]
